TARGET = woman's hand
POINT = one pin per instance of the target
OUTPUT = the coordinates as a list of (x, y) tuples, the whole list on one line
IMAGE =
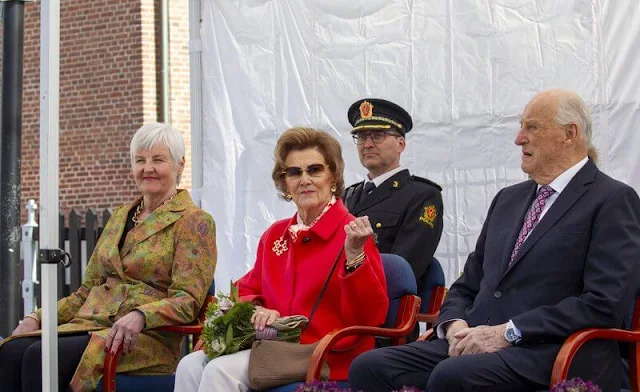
[(358, 231), (125, 331), (27, 325), (263, 317)]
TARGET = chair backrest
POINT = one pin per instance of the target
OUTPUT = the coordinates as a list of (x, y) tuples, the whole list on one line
[(434, 277), (400, 281), (211, 296)]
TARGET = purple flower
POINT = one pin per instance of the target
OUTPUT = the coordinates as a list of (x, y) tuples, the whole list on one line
[(332, 386), (321, 386), (576, 385)]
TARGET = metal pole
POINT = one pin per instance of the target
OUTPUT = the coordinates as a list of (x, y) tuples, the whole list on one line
[(49, 175), (10, 152), (195, 67), (164, 16)]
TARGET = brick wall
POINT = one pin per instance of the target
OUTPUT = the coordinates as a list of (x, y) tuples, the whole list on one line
[(179, 103), (109, 86)]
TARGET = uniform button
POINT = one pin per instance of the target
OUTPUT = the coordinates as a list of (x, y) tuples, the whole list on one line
[(123, 289), (497, 294), (378, 225)]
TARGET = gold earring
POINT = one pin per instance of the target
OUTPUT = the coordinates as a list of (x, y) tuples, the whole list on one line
[(288, 196), (334, 188)]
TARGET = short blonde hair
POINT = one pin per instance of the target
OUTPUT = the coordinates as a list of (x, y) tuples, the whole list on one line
[(301, 138)]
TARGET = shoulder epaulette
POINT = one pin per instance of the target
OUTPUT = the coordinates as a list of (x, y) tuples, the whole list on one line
[(428, 182)]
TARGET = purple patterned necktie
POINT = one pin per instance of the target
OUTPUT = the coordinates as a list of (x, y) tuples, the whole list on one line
[(532, 217)]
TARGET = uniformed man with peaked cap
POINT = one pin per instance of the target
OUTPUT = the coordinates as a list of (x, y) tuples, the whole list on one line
[(405, 210)]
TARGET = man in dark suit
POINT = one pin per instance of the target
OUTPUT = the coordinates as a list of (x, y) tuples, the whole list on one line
[(405, 211), (556, 254)]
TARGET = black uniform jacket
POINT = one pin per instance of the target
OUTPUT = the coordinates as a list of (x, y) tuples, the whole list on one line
[(405, 212)]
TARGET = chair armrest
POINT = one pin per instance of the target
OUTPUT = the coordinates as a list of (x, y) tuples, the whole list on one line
[(426, 335), (109, 373), (407, 315), (435, 302), (189, 329), (111, 360), (429, 318), (579, 338)]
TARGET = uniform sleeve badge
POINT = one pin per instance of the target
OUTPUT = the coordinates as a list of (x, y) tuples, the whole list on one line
[(429, 216), (366, 110)]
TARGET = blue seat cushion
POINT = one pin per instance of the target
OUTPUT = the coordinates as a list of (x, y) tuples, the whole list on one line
[(130, 383)]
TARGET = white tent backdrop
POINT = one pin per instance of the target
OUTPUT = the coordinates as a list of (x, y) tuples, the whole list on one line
[(464, 69)]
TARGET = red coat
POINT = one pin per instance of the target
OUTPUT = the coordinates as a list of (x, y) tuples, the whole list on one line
[(290, 283)]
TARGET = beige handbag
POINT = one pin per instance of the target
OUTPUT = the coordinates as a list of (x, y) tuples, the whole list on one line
[(273, 363)]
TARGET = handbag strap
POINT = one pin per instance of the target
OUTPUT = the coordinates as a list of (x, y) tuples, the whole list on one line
[(324, 287)]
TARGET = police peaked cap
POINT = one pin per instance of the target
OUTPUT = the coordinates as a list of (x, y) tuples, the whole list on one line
[(378, 114)]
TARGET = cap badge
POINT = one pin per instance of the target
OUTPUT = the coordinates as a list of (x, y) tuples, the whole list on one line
[(366, 109), (429, 216)]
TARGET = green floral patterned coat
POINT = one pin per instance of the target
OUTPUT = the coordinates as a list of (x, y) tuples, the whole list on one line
[(164, 269)]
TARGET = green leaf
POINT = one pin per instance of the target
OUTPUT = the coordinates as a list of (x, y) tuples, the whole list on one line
[(233, 349), (229, 338), (233, 292)]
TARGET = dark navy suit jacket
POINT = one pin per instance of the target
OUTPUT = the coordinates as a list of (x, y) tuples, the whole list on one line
[(579, 268)]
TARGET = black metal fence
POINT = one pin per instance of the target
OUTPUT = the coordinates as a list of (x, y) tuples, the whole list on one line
[(74, 232)]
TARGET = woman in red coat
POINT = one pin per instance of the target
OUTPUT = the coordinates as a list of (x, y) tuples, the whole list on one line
[(294, 259)]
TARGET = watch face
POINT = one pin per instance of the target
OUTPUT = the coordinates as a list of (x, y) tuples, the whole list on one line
[(510, 335)]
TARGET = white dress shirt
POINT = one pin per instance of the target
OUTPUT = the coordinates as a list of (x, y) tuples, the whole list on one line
[(383, 177)]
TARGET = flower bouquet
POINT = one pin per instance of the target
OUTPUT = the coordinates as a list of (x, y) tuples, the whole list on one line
[(228, 327), (576, 385)]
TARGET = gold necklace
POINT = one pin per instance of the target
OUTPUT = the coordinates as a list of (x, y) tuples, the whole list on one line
[(135, 218), (140, 207)]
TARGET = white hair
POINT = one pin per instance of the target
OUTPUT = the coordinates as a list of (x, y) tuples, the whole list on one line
[(572, 110), (152, 134)]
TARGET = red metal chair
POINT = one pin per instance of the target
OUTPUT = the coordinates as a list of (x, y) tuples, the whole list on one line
[(434, 294), (156, 383), (405, 322), (579, 338)]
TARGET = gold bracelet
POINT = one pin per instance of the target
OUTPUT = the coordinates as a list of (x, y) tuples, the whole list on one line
[(358, 259), (352, 265)]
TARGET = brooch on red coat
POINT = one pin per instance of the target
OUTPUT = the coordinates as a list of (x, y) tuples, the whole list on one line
[(279, 246)]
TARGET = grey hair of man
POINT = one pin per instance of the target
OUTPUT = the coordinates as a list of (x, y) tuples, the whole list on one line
[(151, 134), (573, 110)]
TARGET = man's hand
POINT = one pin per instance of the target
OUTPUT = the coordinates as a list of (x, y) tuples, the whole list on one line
[(450, 330), (125, 331), (27, 325), (478, 340)]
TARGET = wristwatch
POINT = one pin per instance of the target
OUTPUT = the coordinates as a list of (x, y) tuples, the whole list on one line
[(510, 334)]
